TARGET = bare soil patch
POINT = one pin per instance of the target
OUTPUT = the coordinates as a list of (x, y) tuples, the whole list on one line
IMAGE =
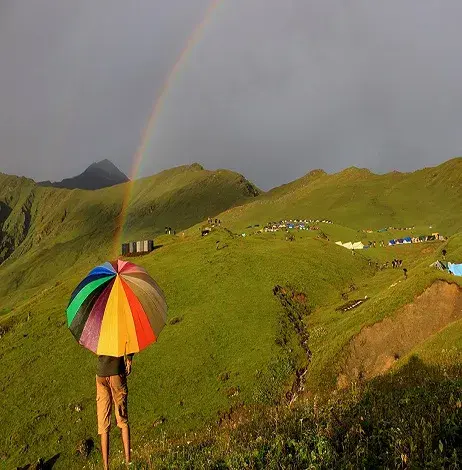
[(375, 349)]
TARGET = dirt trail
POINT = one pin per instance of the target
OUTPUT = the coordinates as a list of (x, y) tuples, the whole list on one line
[(376, 348)]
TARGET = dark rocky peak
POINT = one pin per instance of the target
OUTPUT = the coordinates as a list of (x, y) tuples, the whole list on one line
[(98, 175)]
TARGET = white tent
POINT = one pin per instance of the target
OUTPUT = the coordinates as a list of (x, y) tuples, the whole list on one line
[(348, 245), (358, 246), (339, 243)]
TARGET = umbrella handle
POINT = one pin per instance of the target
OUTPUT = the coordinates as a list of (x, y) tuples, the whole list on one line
[(125, 358)]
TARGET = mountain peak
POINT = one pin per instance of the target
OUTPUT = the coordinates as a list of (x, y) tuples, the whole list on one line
[(354, 172), (196, 166), (98, 175), (313, 174), (108, 168), (105, 165)]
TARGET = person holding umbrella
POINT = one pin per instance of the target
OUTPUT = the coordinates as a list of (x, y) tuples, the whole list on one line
[(111, 388), (116, 311)]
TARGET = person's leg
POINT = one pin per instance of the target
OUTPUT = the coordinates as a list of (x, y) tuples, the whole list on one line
[(126, 441), (105, 449), (103, 408), (120, 394)]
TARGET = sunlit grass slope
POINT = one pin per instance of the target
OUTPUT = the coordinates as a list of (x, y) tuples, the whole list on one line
[(46, 231), (359, 199), (228, 323)]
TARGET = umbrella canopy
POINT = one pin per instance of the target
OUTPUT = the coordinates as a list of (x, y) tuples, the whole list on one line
[(117, 309)]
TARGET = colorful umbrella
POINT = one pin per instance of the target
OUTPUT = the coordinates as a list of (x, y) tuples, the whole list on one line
[(117, 309)]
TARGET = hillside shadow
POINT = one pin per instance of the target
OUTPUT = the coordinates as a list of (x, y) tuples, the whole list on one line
[(415, 407), (417, 373)]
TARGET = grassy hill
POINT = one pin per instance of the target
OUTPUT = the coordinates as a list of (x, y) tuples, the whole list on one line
[(55, 229), (230, 348), (359, 199)]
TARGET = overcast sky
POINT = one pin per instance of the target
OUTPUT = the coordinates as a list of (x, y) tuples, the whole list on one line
[(272, 89)]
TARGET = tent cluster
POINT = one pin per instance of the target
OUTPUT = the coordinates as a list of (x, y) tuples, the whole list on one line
[(452, 268), (298, 224), (352, 245), (421, 239), (137, 248)]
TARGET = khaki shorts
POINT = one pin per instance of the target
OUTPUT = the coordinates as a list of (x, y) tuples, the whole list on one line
[(110, 390)]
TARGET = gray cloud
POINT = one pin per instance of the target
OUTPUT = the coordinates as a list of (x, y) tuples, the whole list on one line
[(273, 89)]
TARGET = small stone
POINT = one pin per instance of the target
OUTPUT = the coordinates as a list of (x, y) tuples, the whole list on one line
[(232, 392), (159, 421), (84, 447)]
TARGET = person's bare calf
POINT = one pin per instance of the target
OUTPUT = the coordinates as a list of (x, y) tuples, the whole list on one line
[(126, 442), (105, 449)]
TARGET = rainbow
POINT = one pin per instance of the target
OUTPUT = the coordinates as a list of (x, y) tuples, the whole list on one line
[(151, 122)]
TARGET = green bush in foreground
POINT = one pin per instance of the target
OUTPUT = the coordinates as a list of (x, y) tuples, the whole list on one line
[(409, 419)]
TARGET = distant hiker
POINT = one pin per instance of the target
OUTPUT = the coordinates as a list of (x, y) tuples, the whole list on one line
[(444, 254), (111, 388), (174, 232), (405, 273)]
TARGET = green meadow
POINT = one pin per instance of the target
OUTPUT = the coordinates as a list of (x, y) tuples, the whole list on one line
[(212, 392)]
